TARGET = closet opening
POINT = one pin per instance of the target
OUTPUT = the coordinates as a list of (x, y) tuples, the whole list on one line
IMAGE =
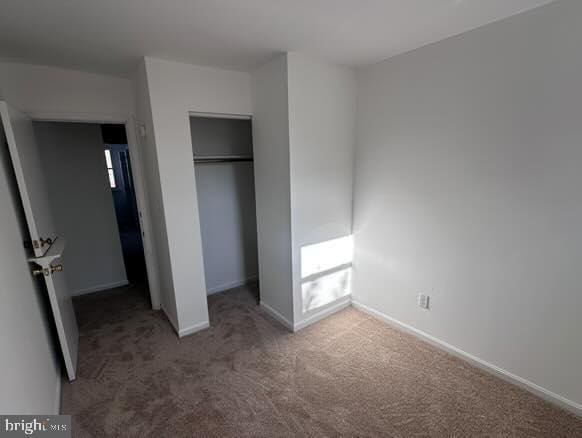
[(225, 186)]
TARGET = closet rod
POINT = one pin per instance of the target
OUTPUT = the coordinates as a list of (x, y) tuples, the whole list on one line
[(222, 158)]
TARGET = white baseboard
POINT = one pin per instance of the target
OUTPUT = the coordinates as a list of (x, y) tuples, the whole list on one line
[(193, 329), (550, 396), (342, 303), (231, 285), (277, 316), (187, 330), (100, 287)]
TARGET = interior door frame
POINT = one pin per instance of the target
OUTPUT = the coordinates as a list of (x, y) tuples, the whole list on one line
[(137, 167)]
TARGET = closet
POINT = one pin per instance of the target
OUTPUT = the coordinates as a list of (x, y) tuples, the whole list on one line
[(223, 162)]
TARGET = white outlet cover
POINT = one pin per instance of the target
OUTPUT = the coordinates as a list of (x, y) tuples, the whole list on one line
[(423, 301)]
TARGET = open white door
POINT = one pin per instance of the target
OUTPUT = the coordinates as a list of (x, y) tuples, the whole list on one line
[(48, 248)]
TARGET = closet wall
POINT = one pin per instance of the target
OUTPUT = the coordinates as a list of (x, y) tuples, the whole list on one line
[(226, 202)]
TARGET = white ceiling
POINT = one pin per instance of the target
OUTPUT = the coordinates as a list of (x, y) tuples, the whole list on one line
[(109, 36)]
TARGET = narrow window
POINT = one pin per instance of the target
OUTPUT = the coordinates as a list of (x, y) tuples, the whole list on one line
[(110, 171)]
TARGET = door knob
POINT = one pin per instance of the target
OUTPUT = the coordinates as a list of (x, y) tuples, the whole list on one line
[(42, 242), (47, 271), (39, 271)]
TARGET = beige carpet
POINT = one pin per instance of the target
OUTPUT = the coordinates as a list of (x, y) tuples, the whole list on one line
[(349, 375)]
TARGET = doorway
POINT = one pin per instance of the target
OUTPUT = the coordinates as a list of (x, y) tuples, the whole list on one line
[(92, 194), (119, 175), (75, 188)]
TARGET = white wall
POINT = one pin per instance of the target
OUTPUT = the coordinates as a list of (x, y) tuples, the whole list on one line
[(226, 202), (151, 179), (31, 374), (272, 183), (174, 90), (303, 139), (322, 99), (468, 189), (40, 89), (82, 204), (29, 370)]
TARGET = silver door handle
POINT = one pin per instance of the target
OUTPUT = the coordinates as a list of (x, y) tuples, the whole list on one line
[(47, 271)]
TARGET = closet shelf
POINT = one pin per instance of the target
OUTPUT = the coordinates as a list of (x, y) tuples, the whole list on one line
[(222, 158)]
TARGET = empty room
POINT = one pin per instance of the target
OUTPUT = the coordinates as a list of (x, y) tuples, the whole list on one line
[(291, 219)]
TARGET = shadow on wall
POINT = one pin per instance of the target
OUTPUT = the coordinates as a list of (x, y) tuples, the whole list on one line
[(326, 270), (247, 227)]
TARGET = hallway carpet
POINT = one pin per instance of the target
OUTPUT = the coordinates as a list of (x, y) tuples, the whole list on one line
[(246, 376)]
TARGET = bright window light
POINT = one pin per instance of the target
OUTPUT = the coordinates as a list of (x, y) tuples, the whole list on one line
[(110, 172), (326, 272), (108, 159), (326, 255), (326, 289)]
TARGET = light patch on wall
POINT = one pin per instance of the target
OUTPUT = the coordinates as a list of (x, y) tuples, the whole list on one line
[(326, 289), (326, 255), (326, 272)]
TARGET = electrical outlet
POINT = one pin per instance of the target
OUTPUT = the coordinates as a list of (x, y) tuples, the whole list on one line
[(423, 301)]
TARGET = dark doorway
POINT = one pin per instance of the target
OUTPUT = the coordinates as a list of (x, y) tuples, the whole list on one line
[(124, 199)]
